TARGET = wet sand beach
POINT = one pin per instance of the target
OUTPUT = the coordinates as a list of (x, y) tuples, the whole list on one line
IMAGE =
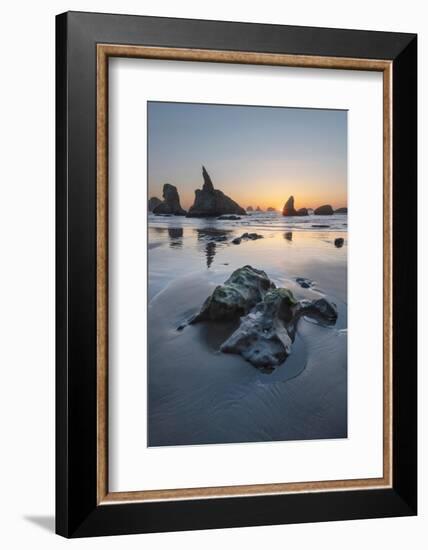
[(199, 395)]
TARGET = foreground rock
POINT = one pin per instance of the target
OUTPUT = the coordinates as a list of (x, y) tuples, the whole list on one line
[(171, 202), (268, 316), (153, 202), (289, 209), (265, 336), (342, 210), (210, 202), (241, 292), (324, 210)]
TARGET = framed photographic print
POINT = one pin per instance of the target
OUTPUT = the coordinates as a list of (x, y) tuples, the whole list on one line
[(236, 274)]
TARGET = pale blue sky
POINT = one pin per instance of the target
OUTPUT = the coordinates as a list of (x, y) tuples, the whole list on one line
[(256, 155)]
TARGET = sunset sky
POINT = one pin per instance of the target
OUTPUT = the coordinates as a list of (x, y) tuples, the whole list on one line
[(259, 156)]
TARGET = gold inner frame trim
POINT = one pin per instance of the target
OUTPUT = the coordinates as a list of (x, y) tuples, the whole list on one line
[(104, 51)]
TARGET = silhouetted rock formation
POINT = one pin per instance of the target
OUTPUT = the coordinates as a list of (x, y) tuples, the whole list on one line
[(229, 217), (324, 210), (153, 202), (258, 209), (338, 243), (211, 202), (271, 209), (288, 235), (342, 210), (302, 212), (171, 202), (250, 209), (289, 209)]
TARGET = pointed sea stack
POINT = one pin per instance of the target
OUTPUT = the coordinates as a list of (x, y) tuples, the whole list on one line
[(289, 209), (170, 203), (210, 202)]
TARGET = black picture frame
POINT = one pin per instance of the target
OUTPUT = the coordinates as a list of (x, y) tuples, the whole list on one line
[(77, 511)]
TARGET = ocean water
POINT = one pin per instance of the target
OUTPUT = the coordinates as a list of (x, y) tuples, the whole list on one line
[(198, 395)]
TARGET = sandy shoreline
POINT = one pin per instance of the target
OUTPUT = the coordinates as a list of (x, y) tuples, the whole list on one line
[(198, 395)]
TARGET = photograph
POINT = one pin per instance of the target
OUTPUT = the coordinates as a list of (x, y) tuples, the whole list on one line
[(247, 247)]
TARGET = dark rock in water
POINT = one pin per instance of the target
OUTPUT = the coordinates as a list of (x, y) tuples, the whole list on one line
[(231, 217), (246, 237), (289, 209), (241, 292), (338, 243), (303, 282), (342, 210), (153, 202), (318, 225), (321, 310), (324, 210), (271, 209), (171, 202), (288, 235), (269, 316), (250, 209), (210, 202), (258, 209), (302, 212)]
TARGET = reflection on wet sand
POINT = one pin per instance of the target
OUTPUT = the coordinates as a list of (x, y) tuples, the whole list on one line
[(211, 236), (175, 235), (196, 392), (210, 253)]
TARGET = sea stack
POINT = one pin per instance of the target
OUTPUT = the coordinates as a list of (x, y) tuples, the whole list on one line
[(302, 212), (271, 209), (289, 209), (210, 202), (170, 203), (153, 202), (324, 210), (343, 210), (250, 209)]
